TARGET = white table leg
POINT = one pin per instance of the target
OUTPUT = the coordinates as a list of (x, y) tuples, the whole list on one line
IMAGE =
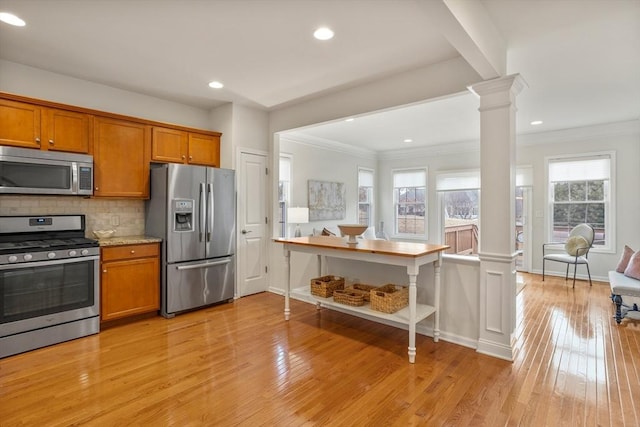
[(436, 303), (412, 271), (287, 260)]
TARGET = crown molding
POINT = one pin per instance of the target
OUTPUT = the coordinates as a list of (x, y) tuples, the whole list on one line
[(327, 144), (585, 133), (432, 150)]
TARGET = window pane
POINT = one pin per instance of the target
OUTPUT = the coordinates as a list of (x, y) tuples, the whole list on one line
[(411, 195), (561, 192), (596, 190), (410, 200), (461, 221), (364, 194), (560, 222), (364, 214), (577, 214), (595, 214), (580, 195), (578, 191)]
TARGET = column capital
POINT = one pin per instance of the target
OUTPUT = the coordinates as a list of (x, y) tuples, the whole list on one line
[(514, 83)]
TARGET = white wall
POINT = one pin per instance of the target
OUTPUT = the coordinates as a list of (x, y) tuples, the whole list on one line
[(251, 128), (314, 163), (460, 277), (36, 83), (532, 149), (436, 160), (430, 82), (321, 164), (622, 138)]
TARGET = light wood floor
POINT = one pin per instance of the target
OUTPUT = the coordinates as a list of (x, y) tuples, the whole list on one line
[(242, 364)]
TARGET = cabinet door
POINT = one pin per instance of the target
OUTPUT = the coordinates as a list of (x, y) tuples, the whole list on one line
[(204, 150), (121, 155), (66, 130), (129, 287), (169, 145), (19, 124)]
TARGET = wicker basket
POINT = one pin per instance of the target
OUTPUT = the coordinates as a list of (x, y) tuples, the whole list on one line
[(389, 298), (325, 285), (361, 288), (349, 297)]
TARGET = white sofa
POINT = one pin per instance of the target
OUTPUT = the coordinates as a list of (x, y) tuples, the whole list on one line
[(622, 285)]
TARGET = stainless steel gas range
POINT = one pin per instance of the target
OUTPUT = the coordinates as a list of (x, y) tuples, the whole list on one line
[(49, 282)]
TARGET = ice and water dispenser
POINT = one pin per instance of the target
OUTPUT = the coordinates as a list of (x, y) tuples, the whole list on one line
[(183, 214)]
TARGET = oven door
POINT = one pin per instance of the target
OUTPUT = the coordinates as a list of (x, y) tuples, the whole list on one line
[(46, 293)]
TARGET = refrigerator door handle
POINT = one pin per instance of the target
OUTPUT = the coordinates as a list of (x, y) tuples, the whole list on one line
[(203, 212), (204, 265), (210, 216)]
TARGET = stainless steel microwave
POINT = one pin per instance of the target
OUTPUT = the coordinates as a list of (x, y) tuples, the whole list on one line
[(30, 171)]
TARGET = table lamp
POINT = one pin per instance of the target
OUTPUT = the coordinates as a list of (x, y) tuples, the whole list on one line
[(298, 216)]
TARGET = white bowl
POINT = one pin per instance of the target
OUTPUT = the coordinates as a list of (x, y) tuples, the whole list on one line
[(352, 230), (104, 234)]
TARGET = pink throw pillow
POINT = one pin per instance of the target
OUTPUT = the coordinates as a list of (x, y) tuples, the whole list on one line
[(633, 269), (624, 260)]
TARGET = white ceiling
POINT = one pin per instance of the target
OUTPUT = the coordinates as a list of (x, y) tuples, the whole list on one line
[(581, 58)]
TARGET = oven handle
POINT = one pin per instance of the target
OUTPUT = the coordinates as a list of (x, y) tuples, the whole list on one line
[(204, 265), (18, 265)]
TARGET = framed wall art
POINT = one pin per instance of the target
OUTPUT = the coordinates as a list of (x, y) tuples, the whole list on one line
[(326, 200)]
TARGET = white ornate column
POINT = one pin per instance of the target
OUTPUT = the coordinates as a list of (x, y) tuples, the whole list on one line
[(497, 214)]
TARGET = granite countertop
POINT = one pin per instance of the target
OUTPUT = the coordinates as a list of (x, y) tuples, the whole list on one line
[(128, 240)]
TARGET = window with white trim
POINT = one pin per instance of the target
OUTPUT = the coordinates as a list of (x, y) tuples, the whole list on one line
[(459, 196), (410, 202), (284, 193), (365, 196), (580, 192)]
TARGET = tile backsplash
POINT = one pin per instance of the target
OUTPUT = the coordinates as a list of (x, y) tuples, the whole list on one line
[(124, 216)]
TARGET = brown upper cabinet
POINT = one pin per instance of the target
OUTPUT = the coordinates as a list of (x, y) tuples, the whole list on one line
[(178, 146), (122, 146), (33, 126), (121, 158)]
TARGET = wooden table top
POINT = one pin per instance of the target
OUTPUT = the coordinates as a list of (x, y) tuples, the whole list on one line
[(387, 247)]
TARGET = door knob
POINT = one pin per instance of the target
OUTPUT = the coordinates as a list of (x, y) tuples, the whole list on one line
[(245, 231)]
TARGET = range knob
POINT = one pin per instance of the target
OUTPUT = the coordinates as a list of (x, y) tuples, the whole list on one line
[(73, 253), (12, 258), (85, 252), (51, 255), (27, 257)]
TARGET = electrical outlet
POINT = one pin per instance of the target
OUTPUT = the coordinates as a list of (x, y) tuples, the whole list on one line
[(115, 220)]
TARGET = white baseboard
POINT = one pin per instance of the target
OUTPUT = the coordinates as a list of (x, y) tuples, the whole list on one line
[(494, 349), (579, 276)]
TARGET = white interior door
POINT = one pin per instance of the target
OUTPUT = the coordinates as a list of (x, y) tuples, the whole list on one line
[(252, 224)]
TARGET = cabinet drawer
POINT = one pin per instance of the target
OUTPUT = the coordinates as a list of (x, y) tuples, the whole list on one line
[(130, 251)]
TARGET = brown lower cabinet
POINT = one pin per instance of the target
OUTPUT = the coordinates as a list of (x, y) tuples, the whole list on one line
[(130, 280)]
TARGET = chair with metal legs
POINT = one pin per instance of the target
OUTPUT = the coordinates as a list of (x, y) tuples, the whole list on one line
[(576, 251)]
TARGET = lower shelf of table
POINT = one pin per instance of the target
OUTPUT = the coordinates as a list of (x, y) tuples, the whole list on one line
[(401, 316)]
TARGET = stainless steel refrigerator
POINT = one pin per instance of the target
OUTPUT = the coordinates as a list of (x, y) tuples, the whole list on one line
[(193, 209)]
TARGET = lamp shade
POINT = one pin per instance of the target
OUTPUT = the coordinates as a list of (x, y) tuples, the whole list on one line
[(298, 215)]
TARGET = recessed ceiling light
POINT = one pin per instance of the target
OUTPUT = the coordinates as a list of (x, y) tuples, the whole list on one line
[(408, 140), (11, 19), (536, 122), (350, 119), (216, 85), (323, 33)]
